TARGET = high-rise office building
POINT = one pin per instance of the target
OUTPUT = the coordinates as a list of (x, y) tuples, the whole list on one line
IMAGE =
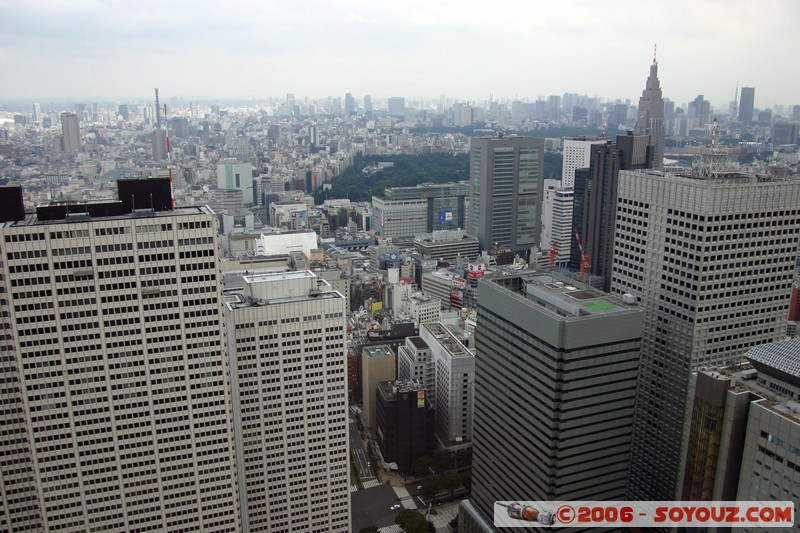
[(446, 202), (158, 143), (557, 221), (349, 104), (744, 430), (785, 133), (700, 111), (594, 207), (555, 385), (37, 113), (368, 106), (650, 116), (405, 422), (449, 245), (445, 368), (711, 257), (70, 133), (232, 175), (400, 220), (746, 102), (123, 111), (575, 155), (397, 106), (454, 383), (288, 370), (116, 391), (506, 188), (378, 363)]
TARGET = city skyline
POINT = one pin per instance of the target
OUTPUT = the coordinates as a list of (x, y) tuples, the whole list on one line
[(250, 50)]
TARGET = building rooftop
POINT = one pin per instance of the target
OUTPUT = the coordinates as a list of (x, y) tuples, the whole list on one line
[(391, 389), (281, 288), (453, 347), (562, 295), (290, 275), (418, 343), (32, 219), (380, 350), (778, 359)]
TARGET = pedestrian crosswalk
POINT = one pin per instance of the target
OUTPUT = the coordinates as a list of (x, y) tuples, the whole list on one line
[(371, 483), (394, 528), (353, 488)]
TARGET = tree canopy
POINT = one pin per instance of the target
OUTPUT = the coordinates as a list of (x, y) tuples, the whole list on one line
[(408, 171), (411, 521)]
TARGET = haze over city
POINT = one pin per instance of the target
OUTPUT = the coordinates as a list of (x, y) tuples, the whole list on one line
[(468, 50)]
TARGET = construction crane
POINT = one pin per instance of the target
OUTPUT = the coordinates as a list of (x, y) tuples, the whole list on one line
[(553, 255), (527, 513), (584, 258)]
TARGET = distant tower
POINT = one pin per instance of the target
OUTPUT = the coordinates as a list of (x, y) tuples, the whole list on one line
[(158, 112), (650, 117), (746, 105), (733, 107), (37, 113), (71, 133)]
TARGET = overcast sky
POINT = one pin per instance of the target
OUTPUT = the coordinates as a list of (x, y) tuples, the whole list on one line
[(414, 48)]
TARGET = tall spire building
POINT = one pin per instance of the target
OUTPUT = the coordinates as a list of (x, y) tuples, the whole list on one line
[(650, 118)]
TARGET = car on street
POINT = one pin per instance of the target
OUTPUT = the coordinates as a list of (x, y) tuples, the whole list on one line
[(395, 507)]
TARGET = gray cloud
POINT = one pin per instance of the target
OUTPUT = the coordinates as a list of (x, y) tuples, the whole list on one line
[(467, 49)]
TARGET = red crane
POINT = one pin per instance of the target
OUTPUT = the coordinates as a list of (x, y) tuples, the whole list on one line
[(584, 258), (553, 254)]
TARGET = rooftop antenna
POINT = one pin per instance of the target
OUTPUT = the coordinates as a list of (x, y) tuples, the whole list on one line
[(655, 48)]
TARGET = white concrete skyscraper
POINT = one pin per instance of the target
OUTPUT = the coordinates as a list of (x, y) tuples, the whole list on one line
[(575, 155), (286, 335), (650, 116), (116, 407), (711, 257)]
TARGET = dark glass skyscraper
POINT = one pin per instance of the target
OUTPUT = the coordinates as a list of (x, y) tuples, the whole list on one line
[(506, 186), (594, 210), (746, 102)]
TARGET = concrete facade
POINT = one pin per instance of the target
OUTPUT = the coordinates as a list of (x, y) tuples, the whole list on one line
[(506, 188), (711, 259), (566, 358), (288, 376), (117, 402)]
